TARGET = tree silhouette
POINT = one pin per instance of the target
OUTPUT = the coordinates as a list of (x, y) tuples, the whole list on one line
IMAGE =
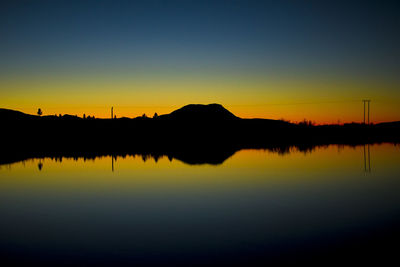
[(155, 115), (39, 112)]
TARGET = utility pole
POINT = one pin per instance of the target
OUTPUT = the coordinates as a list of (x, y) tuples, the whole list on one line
[(368, 117), (366, 101), (112, 113)]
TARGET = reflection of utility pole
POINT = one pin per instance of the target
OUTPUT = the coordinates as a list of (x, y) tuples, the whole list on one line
[(365, 161), (367, 157), (112, 163), (366, 101)]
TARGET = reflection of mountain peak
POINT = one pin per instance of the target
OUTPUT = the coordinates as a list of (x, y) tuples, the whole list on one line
[(201, 112)]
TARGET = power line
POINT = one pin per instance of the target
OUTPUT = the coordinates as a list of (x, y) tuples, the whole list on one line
[(296, 103)]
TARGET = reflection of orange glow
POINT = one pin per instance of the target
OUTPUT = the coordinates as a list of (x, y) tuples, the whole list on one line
[(249, 168)]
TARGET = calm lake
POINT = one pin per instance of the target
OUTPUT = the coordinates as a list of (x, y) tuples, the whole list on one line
[(330, 204)]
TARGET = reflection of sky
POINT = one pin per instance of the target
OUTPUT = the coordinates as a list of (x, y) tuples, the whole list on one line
[(76, 57), (255, 197), (246, 167)]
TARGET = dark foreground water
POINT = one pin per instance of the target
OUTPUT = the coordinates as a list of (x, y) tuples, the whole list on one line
[(331, 205)]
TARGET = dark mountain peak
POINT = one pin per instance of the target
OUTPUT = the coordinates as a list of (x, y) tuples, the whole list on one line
[(202, 112)]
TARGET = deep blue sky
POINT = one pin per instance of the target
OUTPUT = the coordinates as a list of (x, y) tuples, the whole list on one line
[(359, 36), (313, 39)]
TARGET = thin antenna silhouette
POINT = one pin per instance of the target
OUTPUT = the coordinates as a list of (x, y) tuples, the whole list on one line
[(366, 101), (112, 112)]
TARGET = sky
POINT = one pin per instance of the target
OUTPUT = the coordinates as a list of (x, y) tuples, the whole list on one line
[(294, 60)]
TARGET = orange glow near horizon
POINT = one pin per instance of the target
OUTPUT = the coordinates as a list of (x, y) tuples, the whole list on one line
[(317, 113), (320, 101)]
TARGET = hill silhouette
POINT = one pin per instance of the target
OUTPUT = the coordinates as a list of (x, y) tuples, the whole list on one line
[(9, 115), (197, 112), (194, 134)]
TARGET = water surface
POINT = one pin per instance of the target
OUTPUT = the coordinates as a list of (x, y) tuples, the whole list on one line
[(334, 202)]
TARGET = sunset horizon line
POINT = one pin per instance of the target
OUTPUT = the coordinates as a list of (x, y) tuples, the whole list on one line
[(146, 113)]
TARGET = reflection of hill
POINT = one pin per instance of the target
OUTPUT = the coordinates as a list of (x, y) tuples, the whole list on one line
[(193, 157), (194, 134)]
